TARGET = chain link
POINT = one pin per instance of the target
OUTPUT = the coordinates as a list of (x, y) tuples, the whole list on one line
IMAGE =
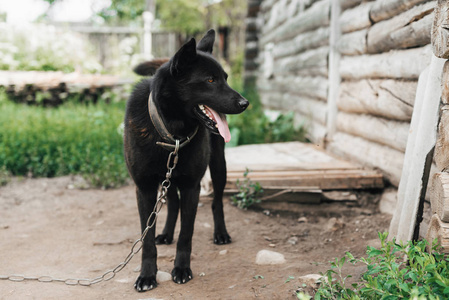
[(135, 248)]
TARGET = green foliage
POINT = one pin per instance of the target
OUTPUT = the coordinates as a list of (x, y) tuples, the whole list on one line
[(249, 192), (395, 271), (70, 139), (254, 127)]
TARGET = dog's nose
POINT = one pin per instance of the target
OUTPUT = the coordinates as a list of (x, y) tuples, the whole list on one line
[(243, 103)]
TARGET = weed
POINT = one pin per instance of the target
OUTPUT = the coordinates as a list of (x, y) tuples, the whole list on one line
[(395, 271), (249, 192)]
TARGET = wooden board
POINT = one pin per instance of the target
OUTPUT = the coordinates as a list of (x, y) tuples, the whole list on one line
[(419, 153), (296, 165)]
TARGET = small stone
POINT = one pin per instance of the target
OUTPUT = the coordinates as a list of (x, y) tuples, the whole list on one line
[(303, 220), (163, 276), (267, 238), (266, 212), (272, 245), (311, 280), (293, 240), (223, 252), (334, 224), (202, 274), (232, 286), (207, 225), (267, 257)]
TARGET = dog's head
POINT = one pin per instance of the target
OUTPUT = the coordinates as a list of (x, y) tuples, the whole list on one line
[(201, 84)]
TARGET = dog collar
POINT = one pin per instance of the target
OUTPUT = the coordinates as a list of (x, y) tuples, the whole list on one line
[(170, 141)]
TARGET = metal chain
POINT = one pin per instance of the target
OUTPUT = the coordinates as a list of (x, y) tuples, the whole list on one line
[(135, 248)]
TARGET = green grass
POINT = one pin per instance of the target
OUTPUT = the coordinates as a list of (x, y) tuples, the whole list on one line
[(70, 139)]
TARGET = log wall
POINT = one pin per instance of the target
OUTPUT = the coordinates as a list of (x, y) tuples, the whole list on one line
[(382, 46)]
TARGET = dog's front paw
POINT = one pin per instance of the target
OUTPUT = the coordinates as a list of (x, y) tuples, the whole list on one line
[(164, 239), (181, 275), (144, 284), (222, 238)]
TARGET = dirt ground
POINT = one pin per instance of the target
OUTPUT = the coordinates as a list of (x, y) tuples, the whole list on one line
[(48, 227)]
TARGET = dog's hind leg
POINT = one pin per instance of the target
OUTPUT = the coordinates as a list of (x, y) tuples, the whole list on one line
[(172, 215), (217, 167), (146, 199)]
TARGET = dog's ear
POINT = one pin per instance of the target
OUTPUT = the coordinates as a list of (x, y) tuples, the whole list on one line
[(207, 42), (183, 58), (149, 67)]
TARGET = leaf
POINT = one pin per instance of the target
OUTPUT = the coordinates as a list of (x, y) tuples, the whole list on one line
[(446, 290), (404, 287)]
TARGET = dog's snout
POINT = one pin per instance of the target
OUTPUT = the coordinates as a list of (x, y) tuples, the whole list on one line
[(243, 103)]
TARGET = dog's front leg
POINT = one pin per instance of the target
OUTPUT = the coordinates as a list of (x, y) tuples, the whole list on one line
[(146, 199), (189, 204)]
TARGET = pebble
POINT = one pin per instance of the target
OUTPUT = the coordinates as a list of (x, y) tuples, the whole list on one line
[(272, 245), (293, 240), (310, 280), (207, 225), (223, 252), (303, 220), (267, 257), (163, 276), (202, 274)]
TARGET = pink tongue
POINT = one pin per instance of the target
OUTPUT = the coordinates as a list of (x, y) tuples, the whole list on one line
[(223, 127)]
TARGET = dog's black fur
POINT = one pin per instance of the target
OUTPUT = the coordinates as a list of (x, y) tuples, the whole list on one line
[(190, 78)]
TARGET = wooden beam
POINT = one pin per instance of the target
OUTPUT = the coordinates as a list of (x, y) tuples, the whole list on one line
[(386, 9), (309, 63), (385, 132), (439, 195), (440, 30), (391, 99), (312, 87), (393, 64), (407, 30), (302, 42), (445, 84), (345, 4)]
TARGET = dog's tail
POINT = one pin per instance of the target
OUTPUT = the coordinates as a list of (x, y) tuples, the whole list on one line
[(150, 67)]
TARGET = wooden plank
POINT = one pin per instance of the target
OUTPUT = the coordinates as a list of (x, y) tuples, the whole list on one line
[(391, 99), (407, 30), (386, 159), (438, 230), (311, 63), (292, 156), (386, 9), (325, 180), (393, 64), (441, 156), (345, 4), (445, 84), (311, 86), (386, 132), (420, 153), (356, 18), (439, 195), (440, 30)]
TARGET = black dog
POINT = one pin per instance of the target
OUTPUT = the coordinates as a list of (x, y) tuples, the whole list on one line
[(190, 96)]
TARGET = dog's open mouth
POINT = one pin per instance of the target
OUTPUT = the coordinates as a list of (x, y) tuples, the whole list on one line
[(214, 121)]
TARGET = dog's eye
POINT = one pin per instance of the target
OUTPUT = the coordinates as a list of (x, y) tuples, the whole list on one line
[(211, 80)]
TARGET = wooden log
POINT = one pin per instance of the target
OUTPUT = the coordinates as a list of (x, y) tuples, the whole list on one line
[(440, 30), (311, 63), (439, 195), (353, 43), (305, 41), (385, 132), (315, 87), (310, 109), (424, 226), (445, 84), (314, 17), (345, 4), (393, 64), (438, 230), (409, 29), (442, 145), (391, 99), (386, 9), (356, 18), (386, 159)]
